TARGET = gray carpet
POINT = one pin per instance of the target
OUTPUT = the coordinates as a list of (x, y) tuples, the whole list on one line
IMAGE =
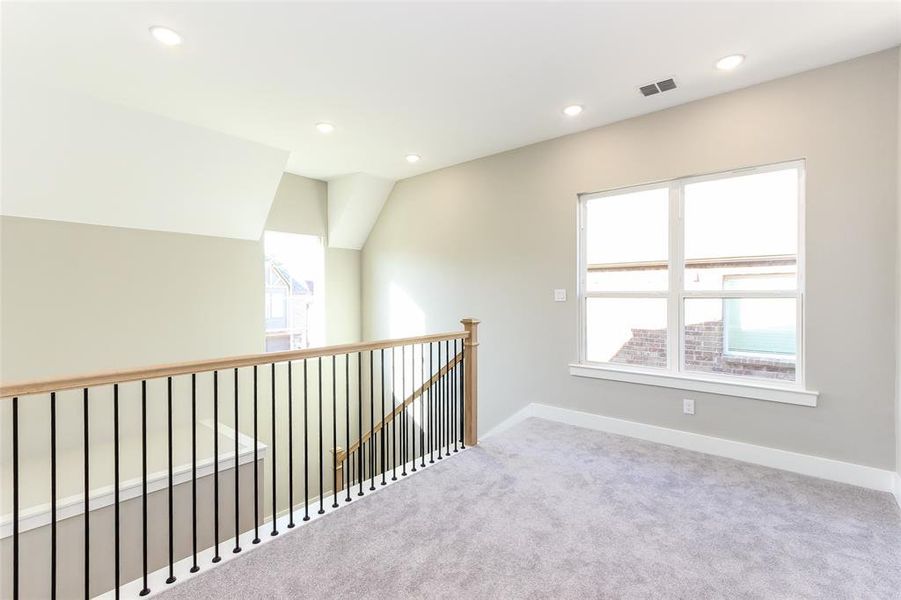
[(546, 510)]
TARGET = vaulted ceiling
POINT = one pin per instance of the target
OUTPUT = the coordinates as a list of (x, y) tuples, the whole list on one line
[(448, 81)]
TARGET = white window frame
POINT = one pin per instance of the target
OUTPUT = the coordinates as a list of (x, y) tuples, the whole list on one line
[(675, 375)]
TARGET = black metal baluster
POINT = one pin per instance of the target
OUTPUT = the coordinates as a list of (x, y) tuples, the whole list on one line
[(462, 394), (334, 434), (441, 411), (194, 567), (321, 473), (306, 449), (87, 498), (442, 391), (116, 514), (438, 401), (146, 589), (456, 396), (16, 498), (216, 557), (439, 424), (371, 424), (347, 456), (413, 404), (237, 547), (360, 416), (290, 447), (447, 410), (437, 387), (445, 390), (393, 418), (431, 407), (274, 460), (403, 412), (53, 495), (171, 578), (384, 429), (422, 405), (256, 470)]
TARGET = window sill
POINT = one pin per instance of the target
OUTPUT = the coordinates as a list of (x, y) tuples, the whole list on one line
[(785, 395)]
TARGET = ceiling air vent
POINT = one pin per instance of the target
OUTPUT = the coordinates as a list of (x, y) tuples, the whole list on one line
[(666, 85), (655, 88)]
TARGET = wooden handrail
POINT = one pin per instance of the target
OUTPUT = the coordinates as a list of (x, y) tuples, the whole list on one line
[(186, 368), (342, 454)]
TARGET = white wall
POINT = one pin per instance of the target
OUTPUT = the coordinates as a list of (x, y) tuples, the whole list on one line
[(300, 206), (493, 237), (73, 158)]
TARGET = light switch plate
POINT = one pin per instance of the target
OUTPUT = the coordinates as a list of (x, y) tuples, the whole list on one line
[(560, 295)]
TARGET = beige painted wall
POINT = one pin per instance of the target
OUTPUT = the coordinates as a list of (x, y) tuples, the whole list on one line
[(343, 296), (81, 298), (493, 237)]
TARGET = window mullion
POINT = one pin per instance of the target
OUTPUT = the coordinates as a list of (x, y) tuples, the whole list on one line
[(741, 294), (676, 252), (634, 294)]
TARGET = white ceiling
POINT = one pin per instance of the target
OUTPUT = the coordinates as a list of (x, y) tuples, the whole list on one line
[(451, 82)]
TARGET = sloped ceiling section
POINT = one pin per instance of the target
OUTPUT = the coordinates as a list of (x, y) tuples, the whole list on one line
[(69, 157), (354, 204)]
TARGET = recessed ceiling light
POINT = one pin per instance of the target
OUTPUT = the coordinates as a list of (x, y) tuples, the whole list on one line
[(727, 63), (325, 127), (412, 158), (165, 36), (573, 109)]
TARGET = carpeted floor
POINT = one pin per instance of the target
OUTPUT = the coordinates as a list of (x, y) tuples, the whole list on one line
[(546, 510)]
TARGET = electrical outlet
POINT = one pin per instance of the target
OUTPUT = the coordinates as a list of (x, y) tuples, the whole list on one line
[(688, 406), (560, 295)]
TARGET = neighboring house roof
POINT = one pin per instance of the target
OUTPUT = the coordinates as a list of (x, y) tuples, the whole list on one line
[(298, 288)]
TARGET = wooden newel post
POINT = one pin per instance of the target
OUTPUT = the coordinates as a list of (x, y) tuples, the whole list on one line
[(471, 382)]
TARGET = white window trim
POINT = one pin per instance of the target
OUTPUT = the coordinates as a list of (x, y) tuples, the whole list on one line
[(675, 375)]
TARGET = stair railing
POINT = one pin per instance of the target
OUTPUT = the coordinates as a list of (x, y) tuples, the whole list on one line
[(125, 482)]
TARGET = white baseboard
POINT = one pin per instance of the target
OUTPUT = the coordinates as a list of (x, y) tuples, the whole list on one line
[(897, 490), (805, 464), (517, 418)]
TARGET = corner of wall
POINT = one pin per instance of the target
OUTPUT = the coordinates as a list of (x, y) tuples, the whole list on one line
[(898, 298)]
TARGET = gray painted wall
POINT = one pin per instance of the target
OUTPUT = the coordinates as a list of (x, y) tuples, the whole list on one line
[(491, 238)]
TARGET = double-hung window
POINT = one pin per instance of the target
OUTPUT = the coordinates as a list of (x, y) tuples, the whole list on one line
[(699, 277)]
